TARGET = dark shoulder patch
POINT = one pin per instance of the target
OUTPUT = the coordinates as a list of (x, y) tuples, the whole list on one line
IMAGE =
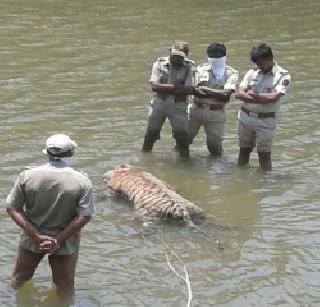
[(285, 82)]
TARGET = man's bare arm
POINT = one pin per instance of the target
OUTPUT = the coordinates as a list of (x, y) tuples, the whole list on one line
[(265, 97), (75, 225), (220, 94), (162, 88), (26, 226), (170, 89), (242, 94)]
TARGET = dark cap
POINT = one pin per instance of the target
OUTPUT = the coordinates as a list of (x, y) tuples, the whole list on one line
[(216, 50)]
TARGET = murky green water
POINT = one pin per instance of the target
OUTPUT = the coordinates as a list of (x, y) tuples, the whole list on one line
[(82, 68)]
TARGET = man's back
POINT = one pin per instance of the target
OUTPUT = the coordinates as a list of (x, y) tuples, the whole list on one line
[(52, 196)]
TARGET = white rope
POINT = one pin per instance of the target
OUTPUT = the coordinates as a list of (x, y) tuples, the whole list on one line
[(185, 278)]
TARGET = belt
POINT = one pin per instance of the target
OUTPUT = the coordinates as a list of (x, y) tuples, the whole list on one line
[(180, 98), (177, 98), (212, 107), (258, 115)]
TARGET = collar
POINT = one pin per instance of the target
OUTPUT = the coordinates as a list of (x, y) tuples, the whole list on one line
[(275, 68), (57, 163), (271, 71)]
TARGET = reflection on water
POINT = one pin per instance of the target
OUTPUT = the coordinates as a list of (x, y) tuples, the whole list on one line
[(83, 69)]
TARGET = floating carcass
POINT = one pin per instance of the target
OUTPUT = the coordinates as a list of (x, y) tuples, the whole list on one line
[(152, 196)]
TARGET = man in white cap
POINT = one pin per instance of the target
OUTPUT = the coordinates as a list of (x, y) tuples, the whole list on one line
[(171, 81), (51, 203)]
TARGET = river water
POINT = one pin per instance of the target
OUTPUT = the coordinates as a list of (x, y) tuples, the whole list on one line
[(82, 67)]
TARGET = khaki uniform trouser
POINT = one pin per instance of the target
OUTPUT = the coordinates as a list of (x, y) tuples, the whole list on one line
[(256, 132), (213, 122), (159, 110)]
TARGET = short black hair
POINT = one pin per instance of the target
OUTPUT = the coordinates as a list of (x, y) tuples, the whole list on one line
[(216, 50), (68, 153), (262, 51)]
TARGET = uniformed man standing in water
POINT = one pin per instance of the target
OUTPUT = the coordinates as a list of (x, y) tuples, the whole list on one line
[(51, 203), (171, 81), (261, 91), (217, 81)]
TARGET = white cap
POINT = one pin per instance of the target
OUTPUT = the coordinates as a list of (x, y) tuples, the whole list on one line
[(59, 143)]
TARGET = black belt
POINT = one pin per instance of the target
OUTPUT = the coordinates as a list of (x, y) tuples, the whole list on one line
[(212, 107), (258, 115)]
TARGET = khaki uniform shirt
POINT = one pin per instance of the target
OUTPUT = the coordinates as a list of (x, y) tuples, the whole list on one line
[(163, 72), (277, 79), (51, 196), (204, 76), (193, 66)]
